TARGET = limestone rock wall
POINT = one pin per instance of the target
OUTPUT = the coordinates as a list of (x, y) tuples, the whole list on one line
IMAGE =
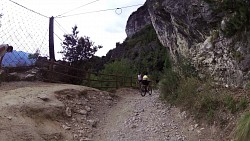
[(137, 21), (189, 29)]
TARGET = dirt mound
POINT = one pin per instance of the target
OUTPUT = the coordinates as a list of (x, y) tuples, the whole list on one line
[(50, 112)]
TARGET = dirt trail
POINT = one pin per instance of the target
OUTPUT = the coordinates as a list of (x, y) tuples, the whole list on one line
[(58, 112), (137, 118)]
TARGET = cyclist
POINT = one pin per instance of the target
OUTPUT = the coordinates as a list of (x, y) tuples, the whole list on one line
[(145, 80), (139, 78)]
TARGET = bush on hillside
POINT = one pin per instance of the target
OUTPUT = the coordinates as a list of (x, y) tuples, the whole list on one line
[(242, 132), (200, 98), (146, 53), (120, 71), (237, 15), (169, 85)]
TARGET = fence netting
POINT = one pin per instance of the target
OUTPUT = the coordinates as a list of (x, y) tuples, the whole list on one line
[(26, 31)]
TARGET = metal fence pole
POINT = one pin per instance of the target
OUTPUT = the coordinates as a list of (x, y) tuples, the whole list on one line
[(51, 70), (51, 38)]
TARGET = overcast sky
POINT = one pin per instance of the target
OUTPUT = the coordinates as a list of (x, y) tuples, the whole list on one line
[(104, 28)]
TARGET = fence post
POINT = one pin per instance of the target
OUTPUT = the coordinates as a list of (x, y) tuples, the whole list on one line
[(123, 80), (51, 38), (51, 70), (88, 79), (131, 80), (116, 81)]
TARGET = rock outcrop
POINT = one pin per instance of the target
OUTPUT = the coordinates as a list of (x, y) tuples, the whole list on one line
[(137, 21), (189, 29)]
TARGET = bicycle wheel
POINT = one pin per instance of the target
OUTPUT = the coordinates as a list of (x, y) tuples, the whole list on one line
[(139, 86), (150, 91), (143, 91)]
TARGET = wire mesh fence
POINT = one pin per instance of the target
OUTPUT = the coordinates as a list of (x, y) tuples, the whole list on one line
[(26, 31)]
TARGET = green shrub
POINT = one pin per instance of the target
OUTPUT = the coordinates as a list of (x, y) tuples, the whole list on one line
[(187, 92), (210, 115), (199, 98), (238, 55), (186, 68), (236, 22), (155, 76), (242, 132), (119, 71), (208, 103), (122, 67), (168, 86), (248, 86), (230, 103), (145, 36), (242, 105), (234, 106), (237, 12)]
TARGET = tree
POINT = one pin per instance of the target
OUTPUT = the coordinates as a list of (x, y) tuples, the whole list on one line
[(78, 50), (34, 55)]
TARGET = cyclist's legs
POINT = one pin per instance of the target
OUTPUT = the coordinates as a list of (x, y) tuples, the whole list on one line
[(139, 83), (146, 83)]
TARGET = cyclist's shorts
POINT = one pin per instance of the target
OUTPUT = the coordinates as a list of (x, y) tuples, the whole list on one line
[(145, 82)]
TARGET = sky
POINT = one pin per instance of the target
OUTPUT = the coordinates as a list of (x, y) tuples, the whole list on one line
[(104, 28)]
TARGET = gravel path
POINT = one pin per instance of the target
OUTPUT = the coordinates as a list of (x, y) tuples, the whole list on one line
[(123, 116), (137, 118)]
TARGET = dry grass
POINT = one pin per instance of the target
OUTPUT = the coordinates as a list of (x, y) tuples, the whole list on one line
[(242, 132)]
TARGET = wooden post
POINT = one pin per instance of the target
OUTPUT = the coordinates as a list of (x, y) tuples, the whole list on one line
[(51, 70), (101, 84), (116, 81), (51, 38), (88, 79), (131, 80), (123, 80)]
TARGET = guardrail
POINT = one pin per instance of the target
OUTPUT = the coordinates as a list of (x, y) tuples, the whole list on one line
[(56, 70)]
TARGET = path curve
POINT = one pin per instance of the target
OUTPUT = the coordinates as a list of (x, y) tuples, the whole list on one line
[(137, 118)]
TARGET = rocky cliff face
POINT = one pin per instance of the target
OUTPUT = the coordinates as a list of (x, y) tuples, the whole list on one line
[(190, 30), (137, 21)]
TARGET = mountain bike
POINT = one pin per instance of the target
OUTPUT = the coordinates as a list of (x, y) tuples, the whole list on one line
[(144, 90)]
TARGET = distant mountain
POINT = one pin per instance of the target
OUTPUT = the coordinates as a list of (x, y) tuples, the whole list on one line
[(17, 59)]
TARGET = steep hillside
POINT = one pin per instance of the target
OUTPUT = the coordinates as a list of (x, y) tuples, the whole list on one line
[(144, 52), (208, 41), (213, 35)]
